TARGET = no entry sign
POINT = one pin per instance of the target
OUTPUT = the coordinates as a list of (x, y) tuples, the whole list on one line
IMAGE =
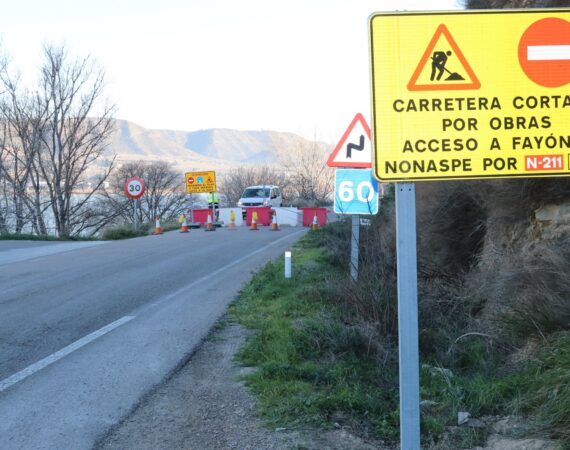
[(471, 94), (544, 52)]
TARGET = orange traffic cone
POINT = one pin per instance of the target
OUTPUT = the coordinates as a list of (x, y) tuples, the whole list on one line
[(315, 225), (274, 224), (157, 228), (210, 225), (253, 221), (232, 225), (184, 226)]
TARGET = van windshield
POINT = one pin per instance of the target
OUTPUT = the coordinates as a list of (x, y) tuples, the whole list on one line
[(256, 192)]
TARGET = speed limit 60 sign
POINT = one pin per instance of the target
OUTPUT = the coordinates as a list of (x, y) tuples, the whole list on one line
[(356, 192), (134, 187)]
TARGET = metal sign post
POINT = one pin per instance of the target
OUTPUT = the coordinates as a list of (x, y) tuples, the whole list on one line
[(356, 191), (450, 102), (135, 218), (408, 316), (354, 247), (134, 188)]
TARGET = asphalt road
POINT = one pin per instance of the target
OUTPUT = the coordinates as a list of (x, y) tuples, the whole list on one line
[(87, 330)]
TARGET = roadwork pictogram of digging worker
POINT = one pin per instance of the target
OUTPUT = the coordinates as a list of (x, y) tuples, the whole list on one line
[(438, 62)]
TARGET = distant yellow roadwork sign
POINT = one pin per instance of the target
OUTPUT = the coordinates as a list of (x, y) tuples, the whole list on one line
[(464, 95), (200, 182)]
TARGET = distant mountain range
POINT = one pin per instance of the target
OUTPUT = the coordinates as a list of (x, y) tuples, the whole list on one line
[(214, 149)]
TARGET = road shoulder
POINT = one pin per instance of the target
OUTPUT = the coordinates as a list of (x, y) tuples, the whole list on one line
[(205, 405), (16, 251)]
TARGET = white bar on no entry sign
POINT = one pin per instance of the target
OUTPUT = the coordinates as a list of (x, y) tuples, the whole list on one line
[(548, 52)]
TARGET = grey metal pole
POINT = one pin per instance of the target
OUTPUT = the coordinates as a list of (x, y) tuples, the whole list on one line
[(408, 316), (354, 247), (136, 217)]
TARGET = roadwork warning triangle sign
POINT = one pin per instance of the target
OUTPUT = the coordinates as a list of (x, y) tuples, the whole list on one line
[(355, 146), (443, 66)]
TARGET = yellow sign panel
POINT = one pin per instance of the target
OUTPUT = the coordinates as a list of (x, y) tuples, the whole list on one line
[(470, 94), (200, 182)]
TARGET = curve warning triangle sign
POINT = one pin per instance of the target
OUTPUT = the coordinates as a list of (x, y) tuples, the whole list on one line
[(355, 147), (443, 66)]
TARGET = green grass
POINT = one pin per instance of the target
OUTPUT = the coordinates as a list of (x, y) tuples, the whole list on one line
[(543, 389), (124, 232), (128, 231), (109, 234), (315, 366), (540, 391)]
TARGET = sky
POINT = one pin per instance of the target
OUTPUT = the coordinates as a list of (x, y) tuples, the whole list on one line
[(300, 66)]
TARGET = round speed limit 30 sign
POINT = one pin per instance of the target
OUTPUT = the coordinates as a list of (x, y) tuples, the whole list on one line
[(134, 187)]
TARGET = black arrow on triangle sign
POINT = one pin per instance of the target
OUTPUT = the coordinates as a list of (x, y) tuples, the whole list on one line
[(352, 146)]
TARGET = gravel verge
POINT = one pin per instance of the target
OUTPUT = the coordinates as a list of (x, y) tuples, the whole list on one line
[(205, 405)]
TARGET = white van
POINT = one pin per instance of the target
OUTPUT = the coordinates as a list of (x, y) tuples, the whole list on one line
[(257, 196)]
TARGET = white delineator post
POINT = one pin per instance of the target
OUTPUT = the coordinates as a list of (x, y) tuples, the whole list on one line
[(287, 264)]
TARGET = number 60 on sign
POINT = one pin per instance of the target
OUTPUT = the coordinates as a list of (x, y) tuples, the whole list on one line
[(356, 192)]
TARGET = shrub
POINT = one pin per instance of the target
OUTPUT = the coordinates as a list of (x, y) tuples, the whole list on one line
[(124, 232), (525, 292)]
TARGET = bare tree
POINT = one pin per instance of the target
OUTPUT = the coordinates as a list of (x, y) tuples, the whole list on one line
[(23, 121), (311, 180), (4, 188), (164, 192), (234, 182), (114, 199), (4, 204), (72, 138)]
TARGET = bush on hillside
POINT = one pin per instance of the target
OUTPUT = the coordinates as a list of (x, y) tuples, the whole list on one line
[(370, 304), (124, 232)]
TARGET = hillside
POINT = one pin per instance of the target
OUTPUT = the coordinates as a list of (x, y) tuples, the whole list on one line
[(213, 149)]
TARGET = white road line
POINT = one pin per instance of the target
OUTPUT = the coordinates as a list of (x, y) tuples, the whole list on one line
[(548, 52), (43, 363), (36, 367), (216, 272), (243, 258)]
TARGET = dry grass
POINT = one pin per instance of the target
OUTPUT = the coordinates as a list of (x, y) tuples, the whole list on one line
[(526, 293)]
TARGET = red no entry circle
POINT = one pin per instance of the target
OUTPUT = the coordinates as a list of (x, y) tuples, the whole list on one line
[(190, 180), (544, 51)]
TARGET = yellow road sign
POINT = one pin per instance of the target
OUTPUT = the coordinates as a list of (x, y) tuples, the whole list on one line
[(470, 94), (200, 182)]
